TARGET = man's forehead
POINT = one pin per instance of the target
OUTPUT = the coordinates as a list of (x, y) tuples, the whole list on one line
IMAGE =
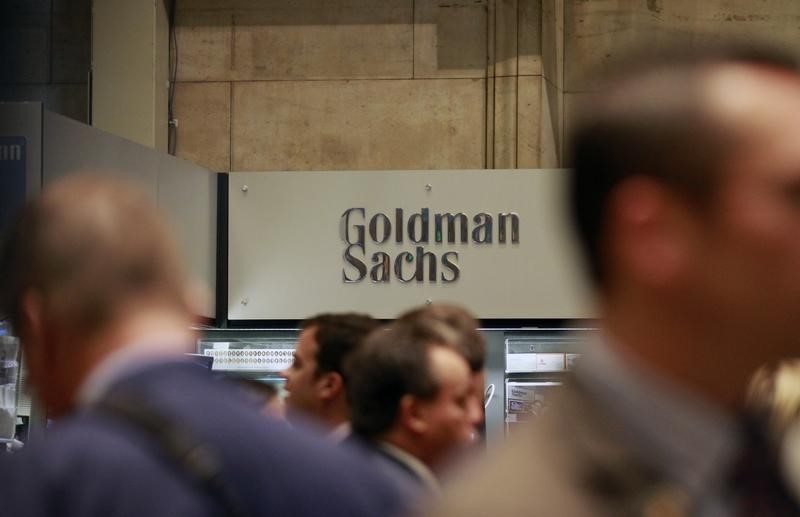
[(307, 343), (759, 109), (447, 362), (740, 93)]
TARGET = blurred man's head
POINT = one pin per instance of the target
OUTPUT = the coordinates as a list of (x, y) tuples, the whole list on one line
[(315, 381), (85, 265), (468, 340), (412, 390), (686, 197)]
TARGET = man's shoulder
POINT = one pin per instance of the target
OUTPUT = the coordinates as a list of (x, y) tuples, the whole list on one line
[(88, 466), (269, 464), (88, 441), (569, 461), (405, 481)]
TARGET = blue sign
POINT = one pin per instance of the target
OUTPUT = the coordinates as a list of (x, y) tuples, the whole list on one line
[(12, 178)]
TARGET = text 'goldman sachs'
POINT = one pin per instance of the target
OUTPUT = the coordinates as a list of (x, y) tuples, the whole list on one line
[(362, 232)]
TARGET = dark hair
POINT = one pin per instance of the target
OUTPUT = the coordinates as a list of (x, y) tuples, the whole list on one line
[(469, 341), (391, 363), (337, 336), (651, 118)]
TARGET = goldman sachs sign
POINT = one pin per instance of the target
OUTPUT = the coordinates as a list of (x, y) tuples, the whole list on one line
[(368, 236)]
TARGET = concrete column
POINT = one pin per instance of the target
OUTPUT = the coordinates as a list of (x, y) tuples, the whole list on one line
[(130, 49), (552, 127)]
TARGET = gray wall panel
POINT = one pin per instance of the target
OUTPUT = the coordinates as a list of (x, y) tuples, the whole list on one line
[(185, 192)]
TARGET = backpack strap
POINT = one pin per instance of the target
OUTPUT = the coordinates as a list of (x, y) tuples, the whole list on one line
[(196, 460)]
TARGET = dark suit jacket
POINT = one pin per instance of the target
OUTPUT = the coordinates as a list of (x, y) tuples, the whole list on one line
[(416, 491), (569, 462), (95, 464), (585, 458)]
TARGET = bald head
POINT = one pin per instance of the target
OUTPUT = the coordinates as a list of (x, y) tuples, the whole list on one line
[(87, 249), (460, 326)]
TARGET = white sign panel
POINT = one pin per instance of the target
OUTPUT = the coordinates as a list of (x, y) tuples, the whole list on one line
[(520, 363), (382, 242)]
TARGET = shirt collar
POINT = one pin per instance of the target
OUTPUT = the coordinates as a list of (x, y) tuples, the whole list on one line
[(126, 361), (340, 433), (415, 465)]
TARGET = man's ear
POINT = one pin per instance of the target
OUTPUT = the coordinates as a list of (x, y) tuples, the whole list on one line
[(649, 231), (32, 315), (412, 414), (34, 334), (330, 385)]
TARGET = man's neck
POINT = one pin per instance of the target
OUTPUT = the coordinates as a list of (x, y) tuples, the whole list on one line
[(400, 439), (414, 465), (335, 413), (684, 348), (142, 336)]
